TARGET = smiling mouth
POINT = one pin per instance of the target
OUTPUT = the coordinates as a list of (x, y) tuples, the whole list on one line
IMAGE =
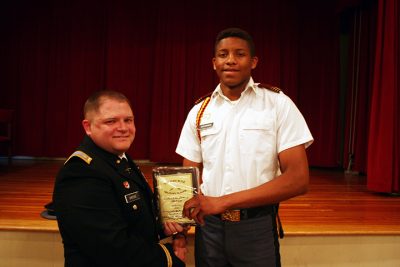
[(230, 73), (121, 137)]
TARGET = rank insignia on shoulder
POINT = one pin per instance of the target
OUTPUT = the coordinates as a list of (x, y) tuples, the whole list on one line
[(269, 87), (80, 154)]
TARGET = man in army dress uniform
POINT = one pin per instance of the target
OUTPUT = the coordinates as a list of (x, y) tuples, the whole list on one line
[(104, 206)]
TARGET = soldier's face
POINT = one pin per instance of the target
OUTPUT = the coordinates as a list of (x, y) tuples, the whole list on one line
[(112, 127), (233, 62)]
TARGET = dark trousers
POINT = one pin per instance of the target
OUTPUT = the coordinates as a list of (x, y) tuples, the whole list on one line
[(252, 242)]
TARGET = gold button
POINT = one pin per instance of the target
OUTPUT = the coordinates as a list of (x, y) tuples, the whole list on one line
[(118, 161), (134, 207)]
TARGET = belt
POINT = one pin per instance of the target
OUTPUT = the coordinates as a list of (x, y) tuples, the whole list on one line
[(237, 215)]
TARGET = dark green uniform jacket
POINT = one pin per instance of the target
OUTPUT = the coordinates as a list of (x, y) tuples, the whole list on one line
[(106, 216)]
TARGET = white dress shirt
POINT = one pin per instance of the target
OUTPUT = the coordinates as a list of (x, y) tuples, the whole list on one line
[(241, 140)]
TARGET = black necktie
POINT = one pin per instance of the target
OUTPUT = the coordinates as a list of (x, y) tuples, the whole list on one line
[(123, 166)]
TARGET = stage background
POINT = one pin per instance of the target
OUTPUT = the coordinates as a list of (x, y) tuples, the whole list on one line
[(54, 54)]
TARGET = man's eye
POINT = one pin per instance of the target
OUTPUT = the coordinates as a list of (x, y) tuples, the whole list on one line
[(109, 122), (222, 55)]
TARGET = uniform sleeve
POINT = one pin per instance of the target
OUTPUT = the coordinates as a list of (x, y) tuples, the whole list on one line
[(292, 127), (91, 222), (171, 259), (189, 143)]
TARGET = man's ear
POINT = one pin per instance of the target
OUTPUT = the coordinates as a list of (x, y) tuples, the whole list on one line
[(254, 62), (213, 62), (86, 126)]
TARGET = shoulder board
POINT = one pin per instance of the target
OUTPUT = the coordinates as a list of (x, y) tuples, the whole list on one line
[(202, 98), (80, 154), (269, 87)]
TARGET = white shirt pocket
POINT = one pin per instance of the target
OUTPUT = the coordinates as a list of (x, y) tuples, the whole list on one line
[(257, 134)]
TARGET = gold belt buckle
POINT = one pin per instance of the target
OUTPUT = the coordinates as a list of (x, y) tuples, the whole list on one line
[(231, 215)]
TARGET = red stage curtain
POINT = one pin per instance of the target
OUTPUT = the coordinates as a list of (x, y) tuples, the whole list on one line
[(318, 79), (383, 143), (360, 50), (55, 53)]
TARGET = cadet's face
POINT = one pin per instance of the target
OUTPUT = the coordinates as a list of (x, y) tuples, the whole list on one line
[(112, 127), (233, 62)]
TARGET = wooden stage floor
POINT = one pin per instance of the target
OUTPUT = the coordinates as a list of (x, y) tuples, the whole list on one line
[(336, 204)]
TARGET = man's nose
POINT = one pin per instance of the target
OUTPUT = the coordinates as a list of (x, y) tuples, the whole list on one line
[(231, 59), (122, 125)]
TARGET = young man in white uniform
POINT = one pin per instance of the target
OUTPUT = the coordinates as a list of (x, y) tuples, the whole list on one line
[(249, 141)]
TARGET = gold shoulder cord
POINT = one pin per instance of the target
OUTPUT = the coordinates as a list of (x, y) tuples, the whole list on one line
[(200, 114), (169, 259)]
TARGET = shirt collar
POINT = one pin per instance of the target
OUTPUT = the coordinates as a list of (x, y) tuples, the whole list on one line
[(123, 156), (250, 86)]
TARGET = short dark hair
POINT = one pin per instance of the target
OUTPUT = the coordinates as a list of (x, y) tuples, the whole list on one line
[(96, 99), (239, 33)]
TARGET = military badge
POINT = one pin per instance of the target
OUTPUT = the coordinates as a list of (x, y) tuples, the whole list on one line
[(126, 184)]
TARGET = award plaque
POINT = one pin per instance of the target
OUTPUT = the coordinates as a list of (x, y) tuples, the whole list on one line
[(173, 186)]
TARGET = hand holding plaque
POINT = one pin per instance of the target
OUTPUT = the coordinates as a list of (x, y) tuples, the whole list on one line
[(173, 186)]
